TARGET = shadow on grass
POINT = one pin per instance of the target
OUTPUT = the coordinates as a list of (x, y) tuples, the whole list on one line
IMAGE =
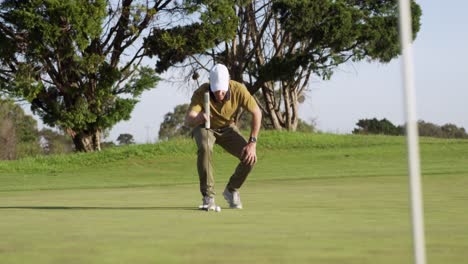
[(163, 208)]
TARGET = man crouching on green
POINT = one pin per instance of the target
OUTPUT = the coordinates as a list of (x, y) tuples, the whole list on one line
[(226, 97)]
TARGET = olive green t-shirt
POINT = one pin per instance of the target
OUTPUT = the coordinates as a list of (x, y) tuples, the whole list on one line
[(222, 113)]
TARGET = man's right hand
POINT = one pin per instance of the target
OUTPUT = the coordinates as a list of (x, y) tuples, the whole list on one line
[(193, 119), (202, 117)]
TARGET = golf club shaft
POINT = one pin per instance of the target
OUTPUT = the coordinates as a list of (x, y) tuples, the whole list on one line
[(207, 109)]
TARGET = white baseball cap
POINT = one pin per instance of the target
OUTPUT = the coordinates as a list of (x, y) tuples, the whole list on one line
[(219, 78)]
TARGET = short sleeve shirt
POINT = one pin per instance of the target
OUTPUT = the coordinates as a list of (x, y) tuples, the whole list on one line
[(222, 113)]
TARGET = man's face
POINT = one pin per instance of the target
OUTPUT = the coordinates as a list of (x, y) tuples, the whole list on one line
[(220, 95)]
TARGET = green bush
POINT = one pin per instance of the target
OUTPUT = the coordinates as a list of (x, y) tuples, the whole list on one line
[(28, 149)]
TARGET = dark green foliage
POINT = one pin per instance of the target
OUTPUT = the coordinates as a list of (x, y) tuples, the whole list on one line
[(374, 126), (452, 131), (67, 65), (78, 62), (425, 129), (125, 139), (217, 23), (173, 124), (332, 32)]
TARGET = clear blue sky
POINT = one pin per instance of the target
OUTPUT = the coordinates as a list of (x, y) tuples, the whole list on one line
[(361, 90)]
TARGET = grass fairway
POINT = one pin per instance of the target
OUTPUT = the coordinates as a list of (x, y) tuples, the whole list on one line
[(311, 199)]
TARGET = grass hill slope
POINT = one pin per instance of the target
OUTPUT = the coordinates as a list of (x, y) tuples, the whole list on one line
[(280, 156)]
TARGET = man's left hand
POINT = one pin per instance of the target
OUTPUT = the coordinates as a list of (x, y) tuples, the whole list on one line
[(249, 154)]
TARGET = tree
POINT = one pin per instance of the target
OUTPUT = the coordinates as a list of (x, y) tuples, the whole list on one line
[(18, 132), (79, 63), (281, 44), (427, 129), (374, 126), (55, 142), (452, 131), (173, 124), (125, 139)]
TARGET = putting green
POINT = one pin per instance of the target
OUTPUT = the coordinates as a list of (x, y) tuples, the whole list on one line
[(352, 220), (330, 205)]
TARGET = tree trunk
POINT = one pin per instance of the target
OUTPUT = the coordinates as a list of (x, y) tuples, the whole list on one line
[(294, 110), (288, 116), (87, 141), (290, 106), (287, 104), (270, 105)]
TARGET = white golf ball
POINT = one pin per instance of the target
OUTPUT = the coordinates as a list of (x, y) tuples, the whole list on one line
[(218, 209)]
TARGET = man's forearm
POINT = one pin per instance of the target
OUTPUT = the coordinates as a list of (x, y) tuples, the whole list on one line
[(193, 119), (256, 123)]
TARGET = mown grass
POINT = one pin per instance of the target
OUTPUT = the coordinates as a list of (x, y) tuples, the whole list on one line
[(325, 155), (270, 140), (312, 198)]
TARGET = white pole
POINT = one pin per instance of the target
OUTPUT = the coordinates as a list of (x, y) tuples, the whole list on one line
[(412, 133), (207, 110)]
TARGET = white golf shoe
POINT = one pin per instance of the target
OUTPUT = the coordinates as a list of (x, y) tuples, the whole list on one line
[(233, 198), (208, 204)]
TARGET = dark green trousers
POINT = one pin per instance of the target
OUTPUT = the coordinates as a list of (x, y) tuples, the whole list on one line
[(233, 142)]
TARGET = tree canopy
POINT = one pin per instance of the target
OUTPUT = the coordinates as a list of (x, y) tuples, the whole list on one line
[(425, 129), (281, 44), (79, 62), (173, 123), (375, 126), (125, 139)]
